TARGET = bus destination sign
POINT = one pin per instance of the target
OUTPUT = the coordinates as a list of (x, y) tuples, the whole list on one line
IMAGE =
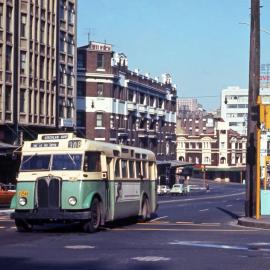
[(47, 144), (54, 137)]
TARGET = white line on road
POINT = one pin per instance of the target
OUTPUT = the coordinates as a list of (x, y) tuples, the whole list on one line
[(79, 247), (150, 259), (229, 205), (202, 198), (203, 210), (155, 219)]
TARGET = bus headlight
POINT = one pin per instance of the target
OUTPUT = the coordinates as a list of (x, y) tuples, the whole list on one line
[(22, 201), (72, 201)]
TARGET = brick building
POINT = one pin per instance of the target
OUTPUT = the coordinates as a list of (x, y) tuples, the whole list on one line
[(118, 105), (223, 152)]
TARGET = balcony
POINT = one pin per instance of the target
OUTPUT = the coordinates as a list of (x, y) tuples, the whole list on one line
[(151, 110), (142, 108), (160, 112), (131, 106)]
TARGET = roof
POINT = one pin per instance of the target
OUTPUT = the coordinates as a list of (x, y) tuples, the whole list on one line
[(7, 146), (174, 163)]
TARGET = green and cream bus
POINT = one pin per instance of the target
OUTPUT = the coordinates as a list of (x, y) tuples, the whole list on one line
[(64, 178)]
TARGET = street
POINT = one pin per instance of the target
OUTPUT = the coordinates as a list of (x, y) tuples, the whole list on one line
[(198, 231)]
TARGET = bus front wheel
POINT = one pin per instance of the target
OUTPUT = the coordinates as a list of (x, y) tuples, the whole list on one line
[(22, 225), (93, 224)]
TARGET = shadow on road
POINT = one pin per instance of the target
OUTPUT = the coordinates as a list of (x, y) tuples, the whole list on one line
[(231, 214)]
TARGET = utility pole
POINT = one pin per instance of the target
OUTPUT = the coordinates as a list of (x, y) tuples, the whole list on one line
[(253, 112)]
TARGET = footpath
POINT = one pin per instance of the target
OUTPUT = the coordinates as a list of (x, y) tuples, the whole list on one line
[(263, 222)]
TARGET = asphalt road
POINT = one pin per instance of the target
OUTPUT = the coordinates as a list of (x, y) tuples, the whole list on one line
[(198, 231)]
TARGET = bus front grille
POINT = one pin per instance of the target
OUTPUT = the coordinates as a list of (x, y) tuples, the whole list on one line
[(48, 192)]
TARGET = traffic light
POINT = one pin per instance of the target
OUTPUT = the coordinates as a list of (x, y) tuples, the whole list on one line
[(267, 116)]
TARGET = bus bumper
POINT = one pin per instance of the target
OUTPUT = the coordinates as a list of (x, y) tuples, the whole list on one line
[(51, 215)]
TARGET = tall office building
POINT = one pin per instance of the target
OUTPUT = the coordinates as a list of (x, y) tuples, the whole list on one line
[(234, 108), (37, 70), (37, 67)]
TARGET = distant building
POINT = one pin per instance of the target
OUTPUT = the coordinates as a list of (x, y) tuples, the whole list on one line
[(118, 105), (222, 153), (234, 108), (192, 118)]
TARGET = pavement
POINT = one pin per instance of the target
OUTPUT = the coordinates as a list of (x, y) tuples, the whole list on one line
[(263, 222)]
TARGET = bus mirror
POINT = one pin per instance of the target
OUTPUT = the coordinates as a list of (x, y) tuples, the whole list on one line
[(104, 175)]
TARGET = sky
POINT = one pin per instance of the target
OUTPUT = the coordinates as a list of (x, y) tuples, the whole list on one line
[(203, 44)]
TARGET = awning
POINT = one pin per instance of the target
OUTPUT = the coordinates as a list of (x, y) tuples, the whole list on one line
[(174, 163)]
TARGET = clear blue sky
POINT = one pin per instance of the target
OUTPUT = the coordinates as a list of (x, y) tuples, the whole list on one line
[(199, 42)]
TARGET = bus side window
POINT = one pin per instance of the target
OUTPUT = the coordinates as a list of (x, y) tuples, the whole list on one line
[(139, 170), (92, 162), (131, 169), (144, 169), (117, 168)]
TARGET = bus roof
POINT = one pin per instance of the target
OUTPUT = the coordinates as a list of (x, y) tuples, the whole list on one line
[(69, 142)]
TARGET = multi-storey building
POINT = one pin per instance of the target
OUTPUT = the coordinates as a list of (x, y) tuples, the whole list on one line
[(37, 67), (222, 153), (192, 118), (118, 105), (234, 108)]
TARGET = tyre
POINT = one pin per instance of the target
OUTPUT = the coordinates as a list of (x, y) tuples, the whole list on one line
[(93, 224), (22, 225), (145, 213)]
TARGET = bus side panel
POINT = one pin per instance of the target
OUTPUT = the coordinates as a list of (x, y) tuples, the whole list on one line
[(26, 190), (84, 192), (149, 188), (126, 199)]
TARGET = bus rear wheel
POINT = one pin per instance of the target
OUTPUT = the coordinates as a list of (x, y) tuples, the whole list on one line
[(145, 213), (22, 225), (93, 224)]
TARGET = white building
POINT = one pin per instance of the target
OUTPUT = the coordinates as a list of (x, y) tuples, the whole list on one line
[(234, 108)]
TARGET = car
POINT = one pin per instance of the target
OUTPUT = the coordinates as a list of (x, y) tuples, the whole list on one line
[(162, 189), (6, 194), (177, 189)]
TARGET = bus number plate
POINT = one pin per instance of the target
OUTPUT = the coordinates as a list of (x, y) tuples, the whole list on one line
[(23, 193)]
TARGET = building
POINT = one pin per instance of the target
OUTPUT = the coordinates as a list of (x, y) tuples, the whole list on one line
[(118, 105), (234, 108), (192, 118), (37, 68), (222, 153)]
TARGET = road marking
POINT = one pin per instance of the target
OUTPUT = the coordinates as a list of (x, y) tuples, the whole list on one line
[(184, 222), (151, 259), (2, 227), (212, 224), (229, 205), (178, 224), (79, 247), (203, 210), (203, 198), (219, 246), (184, 230), (155, 219)]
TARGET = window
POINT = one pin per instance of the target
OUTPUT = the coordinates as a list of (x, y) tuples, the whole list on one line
[(67, 162), (130, 95), (0, 98), (9, 19), (100, 87), (99, 120), (35, 162), (8, 58), (100, 60), (70, 13), (138, 169), (8, 99), (131, 169), (81, 60), (80, 89), (142, 98), (80, 119), (144, 169), (1, 54), (124, 168), (92, 162), (1, 15), (42, 32), (23, 25), (22, 101), (116, 169), (41, 103), (23, 62)]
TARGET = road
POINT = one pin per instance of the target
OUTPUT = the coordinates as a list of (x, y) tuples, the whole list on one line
[(198, 231)]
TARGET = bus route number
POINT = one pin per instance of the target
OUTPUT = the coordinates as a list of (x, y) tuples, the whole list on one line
[(74, 144)]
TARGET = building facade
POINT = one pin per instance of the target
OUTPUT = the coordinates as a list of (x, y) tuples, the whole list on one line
[(221, 153), (118, 105), (234, 108), (38, 60), (37, 68)]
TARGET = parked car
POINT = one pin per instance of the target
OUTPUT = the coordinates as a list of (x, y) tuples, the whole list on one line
[(177, 189), (6, 193), (162, 189)]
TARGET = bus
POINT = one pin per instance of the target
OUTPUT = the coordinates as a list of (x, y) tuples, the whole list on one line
[(64, 178)]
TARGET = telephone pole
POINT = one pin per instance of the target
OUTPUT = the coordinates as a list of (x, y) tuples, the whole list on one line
[(253, 112)]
